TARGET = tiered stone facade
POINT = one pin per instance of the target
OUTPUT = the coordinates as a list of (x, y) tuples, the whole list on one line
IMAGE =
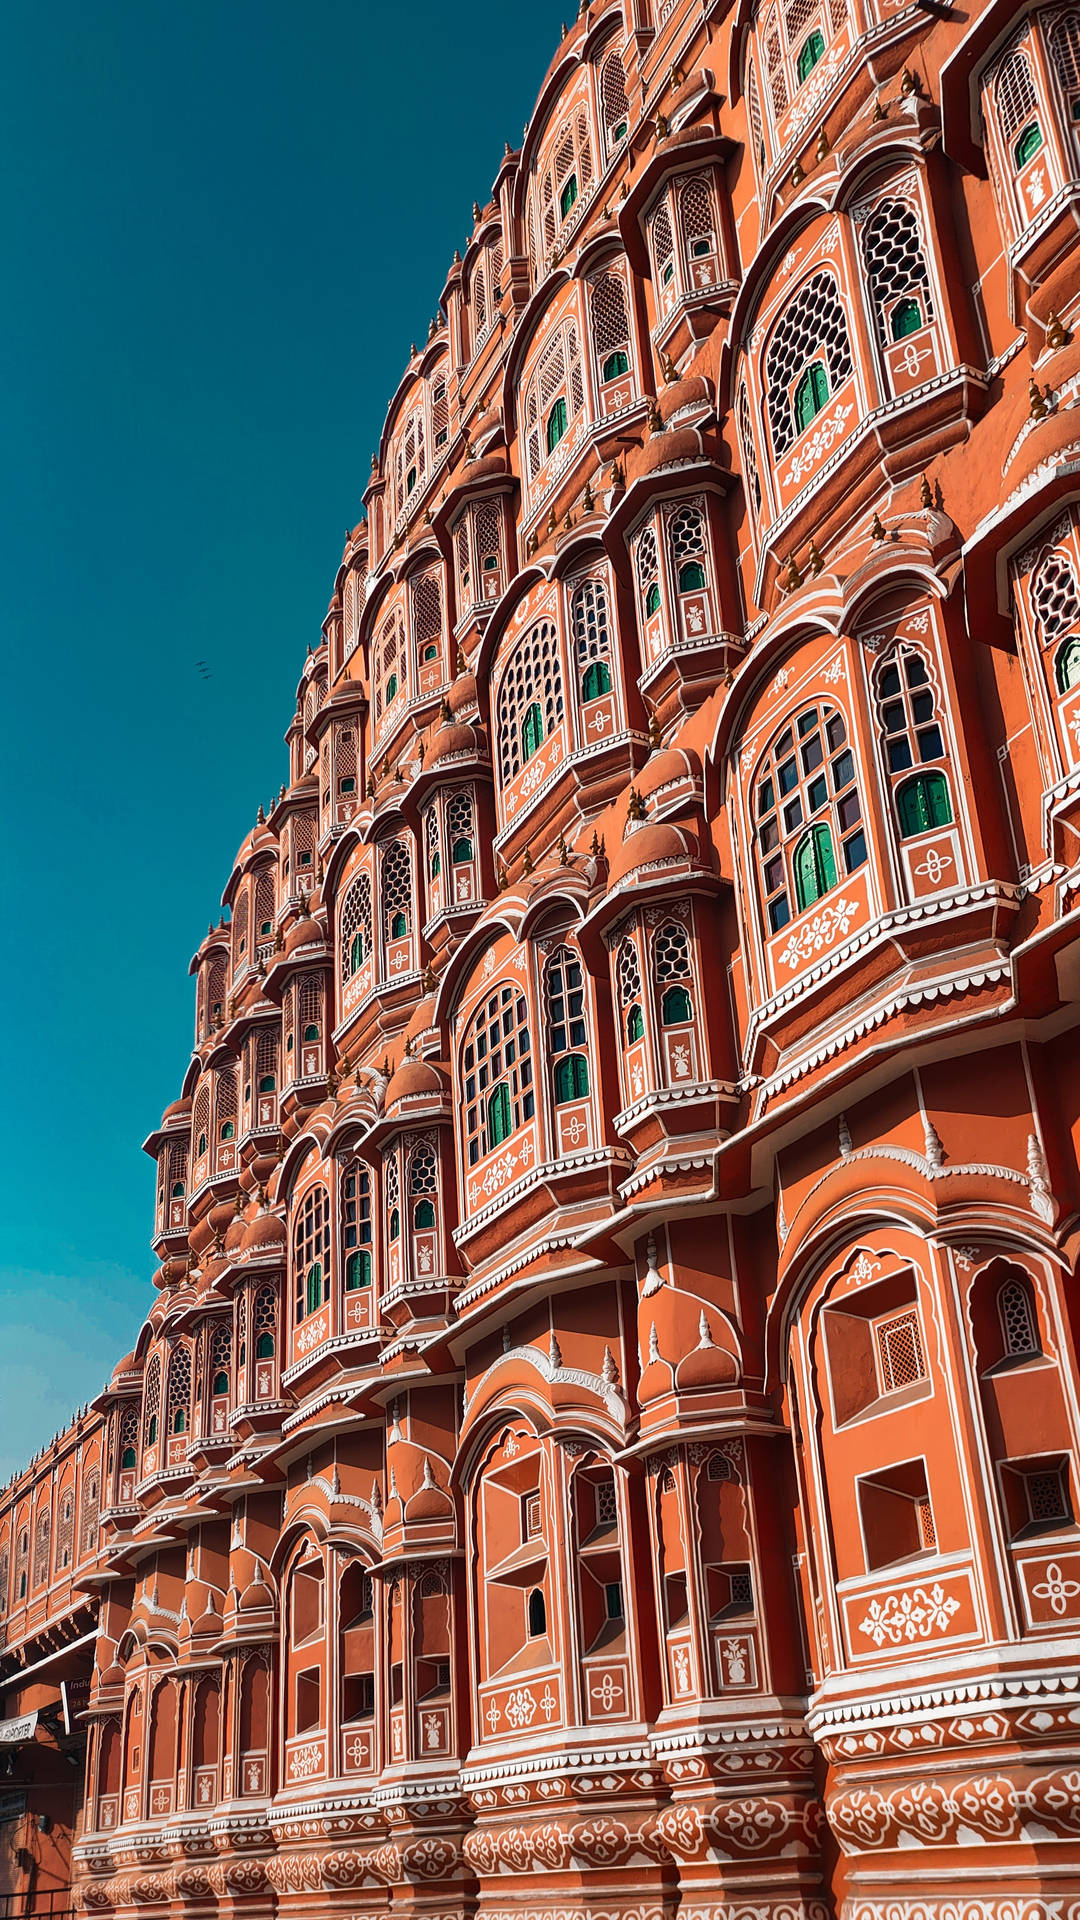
[(605, 1439)]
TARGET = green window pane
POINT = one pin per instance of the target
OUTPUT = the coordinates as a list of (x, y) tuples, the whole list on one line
[(675, 1009), (595, 680), (127, 1460), (652, 600), (268, 1083), (615, 365), (691, 576), (811, 394), (809, 54), (498, 1127), (462, 851), (568, 195), (310, 1034), (395, 1223), (571, 1078), (906, 318), (1067, 665), (532, 731), (391, 686), (556, 424), (399, 926), (635, 1026), (1028, 144), (923, 803), (357, 1271), (264, 1347), (424, 1216), (815, 866), (314, 1287)]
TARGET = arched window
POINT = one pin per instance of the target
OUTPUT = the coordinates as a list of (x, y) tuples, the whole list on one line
[(610, 325), (431, 838), (497, 1072), (264, 1323), (807, 777), (1063, 39), (41, 1554), (592, 637), (311, 1253), (647, 568), (1019, 1327), (912, 734), (811, 51), (423, 1184), (152, 1400), (395, 884), (1016, 100), (672, 972), (697, 226), (663, 245), (221, 1360), (459, 826), (355, 926), (614, 105), (566, 1025), (532, 678), (1055, 596), (356, 1225), (686, 544), (896, 271), (179, 1388), (812, 332), (427, 616), (554, 396), (127, 1460), (537, 1614), (628, 974)]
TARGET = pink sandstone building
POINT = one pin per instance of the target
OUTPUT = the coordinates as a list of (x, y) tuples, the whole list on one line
[(604, 1439)]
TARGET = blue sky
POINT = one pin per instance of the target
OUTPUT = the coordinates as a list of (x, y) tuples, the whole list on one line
[(223, 225)]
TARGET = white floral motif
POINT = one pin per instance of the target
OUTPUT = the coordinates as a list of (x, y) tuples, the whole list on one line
[(304, 1762), (606, 1692), (835, 670), (313, 1333), (935, 865), (913, 1615), (820, 932), (1056, 1589), (548, 1702), (823, 437), (520, 1707)]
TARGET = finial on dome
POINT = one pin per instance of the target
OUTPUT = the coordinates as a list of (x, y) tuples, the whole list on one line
[(527, 861), (635, 805)]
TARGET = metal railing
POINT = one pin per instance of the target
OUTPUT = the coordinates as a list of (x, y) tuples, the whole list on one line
[(37, 1903)]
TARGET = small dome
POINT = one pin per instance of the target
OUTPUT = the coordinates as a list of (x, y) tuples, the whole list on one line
[(668, 767), (413, 1080), (655, 844), (1056, 434), (304, 932), (666, 449), (265, 1234), (177, 1110), (453, 740), (693, 390), (463, 696), (255, 1599)]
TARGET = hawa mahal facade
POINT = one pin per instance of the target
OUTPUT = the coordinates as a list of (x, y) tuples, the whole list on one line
[(604, 1441)]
